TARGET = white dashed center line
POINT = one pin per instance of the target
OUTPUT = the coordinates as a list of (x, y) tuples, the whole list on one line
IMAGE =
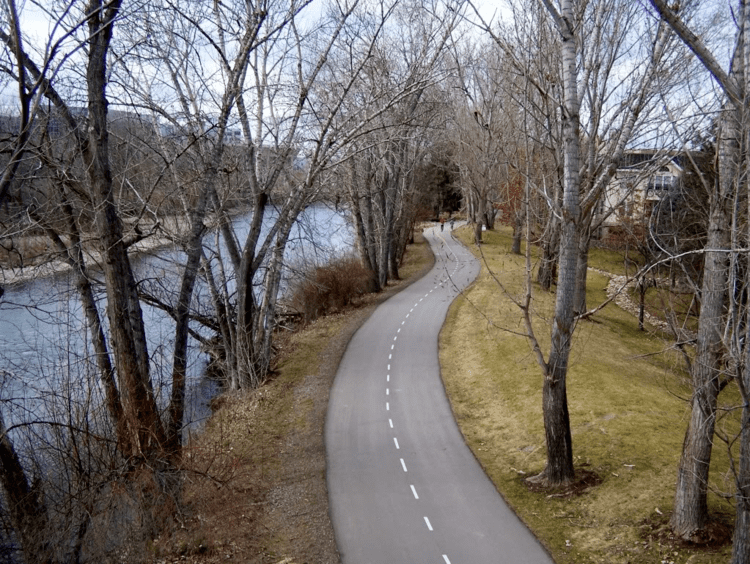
[(439, 285)]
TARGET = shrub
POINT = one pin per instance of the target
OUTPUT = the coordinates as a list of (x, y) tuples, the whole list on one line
[(329, 288)]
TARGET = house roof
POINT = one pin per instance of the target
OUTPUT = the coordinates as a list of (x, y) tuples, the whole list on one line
[(639, 159)]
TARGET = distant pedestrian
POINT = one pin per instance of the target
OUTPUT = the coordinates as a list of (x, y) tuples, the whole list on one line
[(442, 223), (453, 224)]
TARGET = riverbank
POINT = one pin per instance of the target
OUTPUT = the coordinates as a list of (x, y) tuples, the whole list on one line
[(26, 258), (255, 478), (40, 260)]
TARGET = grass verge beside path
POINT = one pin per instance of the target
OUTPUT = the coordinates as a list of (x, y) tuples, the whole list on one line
[(628, 419), (255, 488)]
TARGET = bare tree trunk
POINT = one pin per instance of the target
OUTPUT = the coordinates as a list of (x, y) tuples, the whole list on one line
[(246, 301), (266, 320), (741, 540), (690, 508), (393, 255), (123, 306), (370, 240), (25, 504), (547, 272), (74, 257), (489, 217), (393, 197), (387, 201), (477, 217), (690, 505), (193, 249), (397, 225), (478, 233), (363, 244), (582, 271), (14, 41), (559, 469), (517, 234), (363, 220)]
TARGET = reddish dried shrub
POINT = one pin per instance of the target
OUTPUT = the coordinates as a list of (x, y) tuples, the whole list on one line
[(328, 289)]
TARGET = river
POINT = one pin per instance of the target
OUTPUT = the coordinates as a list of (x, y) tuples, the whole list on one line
[(44, 357)]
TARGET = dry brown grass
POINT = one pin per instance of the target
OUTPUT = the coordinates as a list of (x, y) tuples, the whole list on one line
[(628, 418)]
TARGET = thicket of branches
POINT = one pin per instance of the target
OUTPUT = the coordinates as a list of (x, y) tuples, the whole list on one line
[(136, 123), (140, 121)]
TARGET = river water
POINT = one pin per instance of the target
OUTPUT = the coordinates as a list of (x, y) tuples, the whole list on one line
[(44, 357)]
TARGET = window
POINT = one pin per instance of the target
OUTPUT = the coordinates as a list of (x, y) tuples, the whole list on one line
[(659, 183)]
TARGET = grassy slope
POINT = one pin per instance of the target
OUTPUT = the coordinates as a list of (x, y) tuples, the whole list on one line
[(627, 416)]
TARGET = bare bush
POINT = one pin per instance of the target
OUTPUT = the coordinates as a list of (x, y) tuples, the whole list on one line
[(327, 289)]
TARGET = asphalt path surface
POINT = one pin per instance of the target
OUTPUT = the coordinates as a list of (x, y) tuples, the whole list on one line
[(403, 485)]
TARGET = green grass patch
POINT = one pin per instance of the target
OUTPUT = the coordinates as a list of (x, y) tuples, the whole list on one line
[(614, 261), (682, 305), (626, 393)]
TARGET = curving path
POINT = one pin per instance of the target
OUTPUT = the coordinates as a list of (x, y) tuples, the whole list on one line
[(403, 486)]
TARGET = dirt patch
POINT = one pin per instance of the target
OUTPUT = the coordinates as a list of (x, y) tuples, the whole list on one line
[(716, 535), (585, 479)]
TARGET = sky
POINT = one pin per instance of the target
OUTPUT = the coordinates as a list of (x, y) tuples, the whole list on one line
[(37, 26)]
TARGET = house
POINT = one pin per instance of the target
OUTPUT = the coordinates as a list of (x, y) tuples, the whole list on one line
[(643, 178)]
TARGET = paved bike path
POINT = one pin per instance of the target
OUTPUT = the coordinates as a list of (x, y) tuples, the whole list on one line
[(403, 485)]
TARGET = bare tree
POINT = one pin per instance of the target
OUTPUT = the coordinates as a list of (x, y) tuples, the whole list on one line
[(195, 147), (306, 121), (400, 89), (85, 203), (480, 128), (722, 248), (271, 58), (123, 358), (598, 113)]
